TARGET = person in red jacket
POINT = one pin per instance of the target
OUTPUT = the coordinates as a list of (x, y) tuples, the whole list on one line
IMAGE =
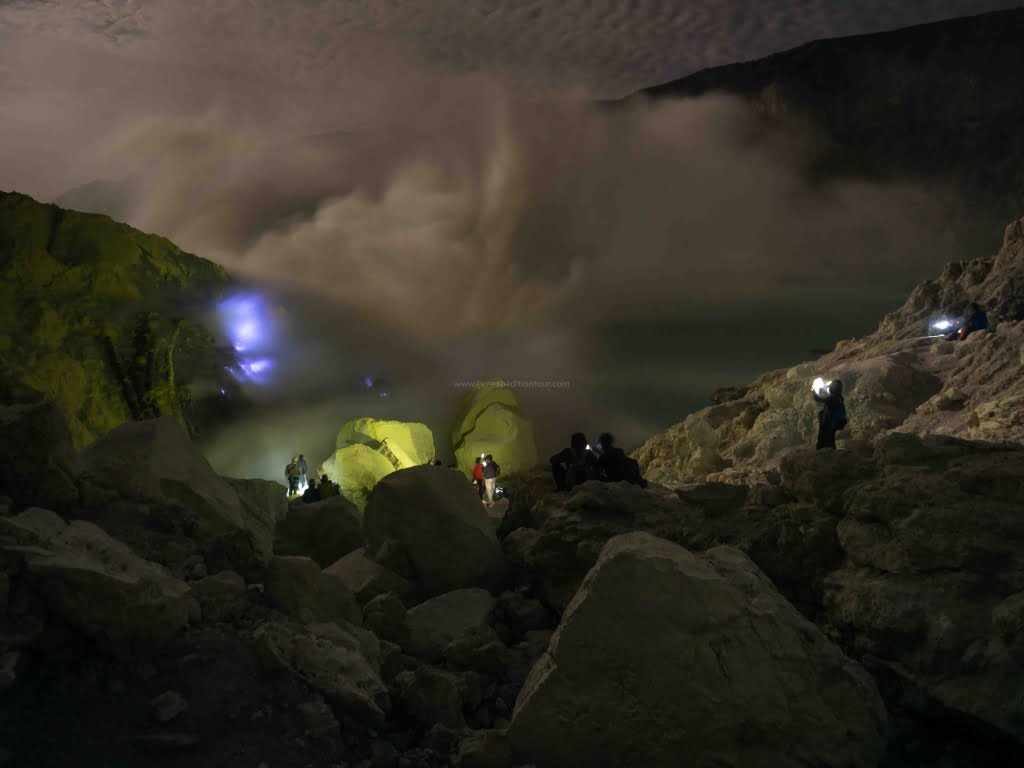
[(478, 477)]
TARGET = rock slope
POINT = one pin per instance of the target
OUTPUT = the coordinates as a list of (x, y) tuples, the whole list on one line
[(91, 311), (897, 378)]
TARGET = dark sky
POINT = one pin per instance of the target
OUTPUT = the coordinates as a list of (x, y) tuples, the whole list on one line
[(435, 175)]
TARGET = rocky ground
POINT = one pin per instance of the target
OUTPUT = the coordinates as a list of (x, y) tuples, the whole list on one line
[(760, 604)]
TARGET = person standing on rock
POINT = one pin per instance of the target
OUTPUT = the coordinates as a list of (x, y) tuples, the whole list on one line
[(291, 473), (491, 471), (478, 476), (303, 468), (832, 416)]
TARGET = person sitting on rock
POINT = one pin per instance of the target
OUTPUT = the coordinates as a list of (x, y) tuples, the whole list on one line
[(326, 488), (611, 462), (491, 470), (478, 477), (975, 320), (574, 465), (832, 416), (613, 465), (312, 493), (292, 473)]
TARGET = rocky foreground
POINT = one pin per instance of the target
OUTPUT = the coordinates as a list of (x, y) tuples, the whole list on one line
[(760, 604)]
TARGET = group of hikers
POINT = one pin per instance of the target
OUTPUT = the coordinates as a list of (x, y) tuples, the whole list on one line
[(295, 474), (606, 462), (312, 489), (485, 477)]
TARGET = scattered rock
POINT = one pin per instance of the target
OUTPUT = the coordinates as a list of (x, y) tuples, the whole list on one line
[(434, 625), (426, 523), (291, 584), (319, 718), (334, 601), (383, 754), (432, 696), (342, 663), (367, 579), (9, 669), (325, 531), (222, 597), (166, 743), (167, 706), (663, 652), (484, 749), (36, 444), (384, 615), (96, 583), (149, 486)]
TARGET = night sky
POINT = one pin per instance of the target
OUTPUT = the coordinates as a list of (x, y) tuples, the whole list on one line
[(429, 191)]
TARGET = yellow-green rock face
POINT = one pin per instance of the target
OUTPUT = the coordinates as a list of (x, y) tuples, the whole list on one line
[(475, 402), (75, 290), (356, 469), (369, 448), (490, 421), (411, 443)]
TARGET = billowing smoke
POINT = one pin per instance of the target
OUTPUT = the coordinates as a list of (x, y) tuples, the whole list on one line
[(425, 227)]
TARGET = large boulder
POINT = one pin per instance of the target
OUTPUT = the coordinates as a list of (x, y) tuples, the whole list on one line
[(357, 469), (148, 485), (222, 596), (458, 616), (37, 461), (296, 586), (411, 443), (490, 421), (574, 528), (665, 656), (97, 584), (326, 530), (428, 525), (263, 500), (341, 662), (366, 579), (934, 552)]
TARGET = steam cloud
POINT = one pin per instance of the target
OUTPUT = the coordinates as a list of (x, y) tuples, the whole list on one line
[(447, 226)]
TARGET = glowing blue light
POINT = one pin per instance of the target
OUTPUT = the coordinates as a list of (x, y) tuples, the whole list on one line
[(368, 381), (247, 322)]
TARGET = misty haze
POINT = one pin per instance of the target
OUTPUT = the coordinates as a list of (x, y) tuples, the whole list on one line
[(298, 299)]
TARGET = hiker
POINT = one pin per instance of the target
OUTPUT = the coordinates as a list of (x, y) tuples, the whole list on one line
[(832, 416), (312, 493), (327, 488), (478, 476), (611, 462), (491, 470), (613, 465), (292, 473), (574, 465), (976, 320), (302, 470)]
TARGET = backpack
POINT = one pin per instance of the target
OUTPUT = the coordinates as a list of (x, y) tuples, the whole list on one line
[(837, 415), (293, 471)]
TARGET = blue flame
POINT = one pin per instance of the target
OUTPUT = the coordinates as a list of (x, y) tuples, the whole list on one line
[(248, 324)]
